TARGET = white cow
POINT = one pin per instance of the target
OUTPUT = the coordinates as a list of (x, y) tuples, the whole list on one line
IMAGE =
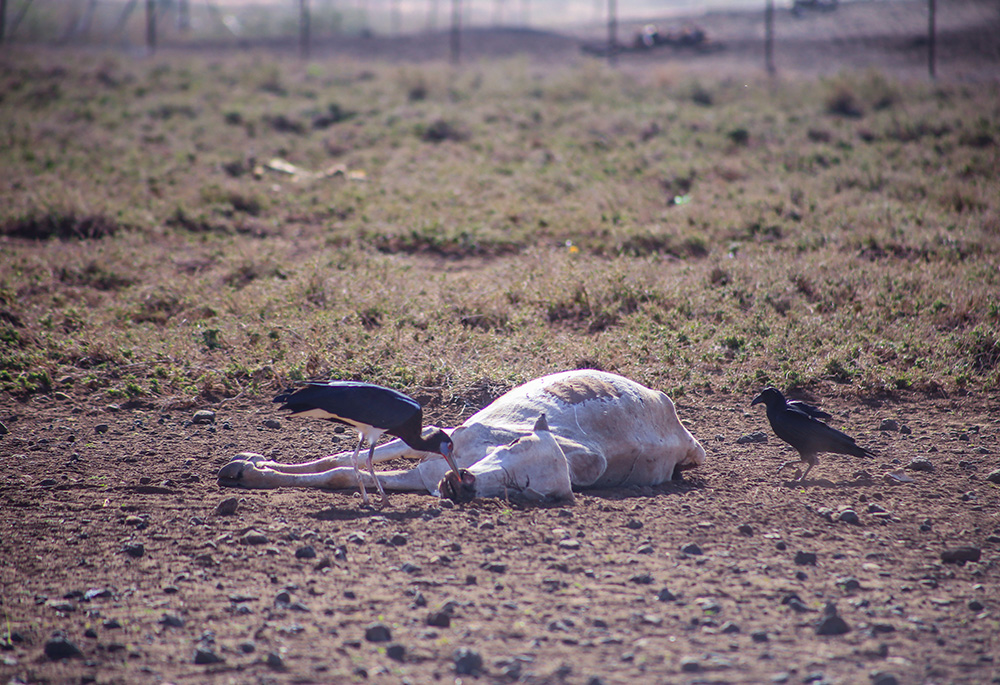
[(575, 429)]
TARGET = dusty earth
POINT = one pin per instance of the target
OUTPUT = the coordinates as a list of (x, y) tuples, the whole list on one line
[(110, 537)]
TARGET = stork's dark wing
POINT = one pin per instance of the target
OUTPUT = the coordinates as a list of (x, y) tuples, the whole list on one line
[(811, 436), (808, 409), (353, 403)]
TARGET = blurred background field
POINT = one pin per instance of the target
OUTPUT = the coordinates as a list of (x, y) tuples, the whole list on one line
[(220, 218)]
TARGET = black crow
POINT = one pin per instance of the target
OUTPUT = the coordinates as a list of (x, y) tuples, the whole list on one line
[(798, 424)]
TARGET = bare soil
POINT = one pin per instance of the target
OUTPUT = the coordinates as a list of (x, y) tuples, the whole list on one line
[(605, 588)]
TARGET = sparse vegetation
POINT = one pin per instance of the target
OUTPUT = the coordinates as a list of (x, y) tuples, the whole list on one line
[(489, 225)]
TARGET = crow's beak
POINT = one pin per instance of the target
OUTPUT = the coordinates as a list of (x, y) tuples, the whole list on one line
[(757, 400)]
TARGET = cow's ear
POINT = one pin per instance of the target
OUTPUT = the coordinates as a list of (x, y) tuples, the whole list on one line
[(585, 466)]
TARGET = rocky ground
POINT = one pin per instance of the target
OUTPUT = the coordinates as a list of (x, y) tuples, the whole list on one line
[(122, 560)]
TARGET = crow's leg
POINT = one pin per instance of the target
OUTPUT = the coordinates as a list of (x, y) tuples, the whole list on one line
[(789, 463), (812, 461)]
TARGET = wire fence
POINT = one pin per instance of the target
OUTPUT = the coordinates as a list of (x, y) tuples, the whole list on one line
[(794, 34)]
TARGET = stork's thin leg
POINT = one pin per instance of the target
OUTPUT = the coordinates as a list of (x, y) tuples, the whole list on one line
[(371, 469), (357, 470)]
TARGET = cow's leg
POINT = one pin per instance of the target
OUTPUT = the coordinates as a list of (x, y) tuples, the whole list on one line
[(247, 474), (394, 449)]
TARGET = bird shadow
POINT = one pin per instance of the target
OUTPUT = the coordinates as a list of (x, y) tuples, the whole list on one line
[(356, 514)]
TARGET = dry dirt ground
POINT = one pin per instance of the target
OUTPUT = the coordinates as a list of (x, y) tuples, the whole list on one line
[(110, 538)]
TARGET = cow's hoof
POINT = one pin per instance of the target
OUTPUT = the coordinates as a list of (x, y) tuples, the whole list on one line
[(231, 475)]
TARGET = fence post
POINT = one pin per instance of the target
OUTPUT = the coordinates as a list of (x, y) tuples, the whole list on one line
[(612, 32), (151, 26), (932, 38), (304, 29), (769, 36), (456, 23)]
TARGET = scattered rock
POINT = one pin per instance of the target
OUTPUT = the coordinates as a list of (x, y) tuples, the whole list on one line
[(729, 628), (884, 678), (805, 558), (993, 476), (247, 647), (497, 568), (439, 619), (641, 579), (665, 595), (746, 529), (378, 632), (467, 661), (101, 428), (273, 424), (275, 661), (396, 652), (758, 436), (691, 548), (645, 549), (3, 429), (134, 549), (203, 416), (252, 537), (569, 544), (831, 623), (634, 524), (690, 664), (227, 507), (398, 540), (760, 636), (112, 624), (976, 605), (307, 552), (205, 655), (889, 425), (849, 516), (59, 647), (171, 621), (357, 537), (960, 555), (920, 464)]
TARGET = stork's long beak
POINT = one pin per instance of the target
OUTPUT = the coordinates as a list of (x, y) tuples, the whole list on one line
[(446, 453)]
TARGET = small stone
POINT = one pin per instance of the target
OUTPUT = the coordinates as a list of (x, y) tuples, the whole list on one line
[(467, 661), (409, 568), (497, 568), (112, 624), (273, 424), (634, 524), (976, 605), (889, 425), (101, 428), (171, 621), (832, 625), (645, 549), (690, 664), (203, 416), (993, 476), (758, 436), (204, 656), (746, 529), (357, 537), (275, 661), (729, 628), (247, 647), (227, 507), (805, 558), (378, 632), (3, 429), (920, 464), (850, 584), (439, 619), (134, 549), (960, 555), (665, 595), (254, 538), (642, 579), (59, 647), (569, 544), (307, 552), (760, 636), (884, 678), (849, 516), (904, 429), (398, 540), (396, 652), (691, 548)]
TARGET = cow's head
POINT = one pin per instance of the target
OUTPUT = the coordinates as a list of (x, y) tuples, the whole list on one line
[(458, 487)]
